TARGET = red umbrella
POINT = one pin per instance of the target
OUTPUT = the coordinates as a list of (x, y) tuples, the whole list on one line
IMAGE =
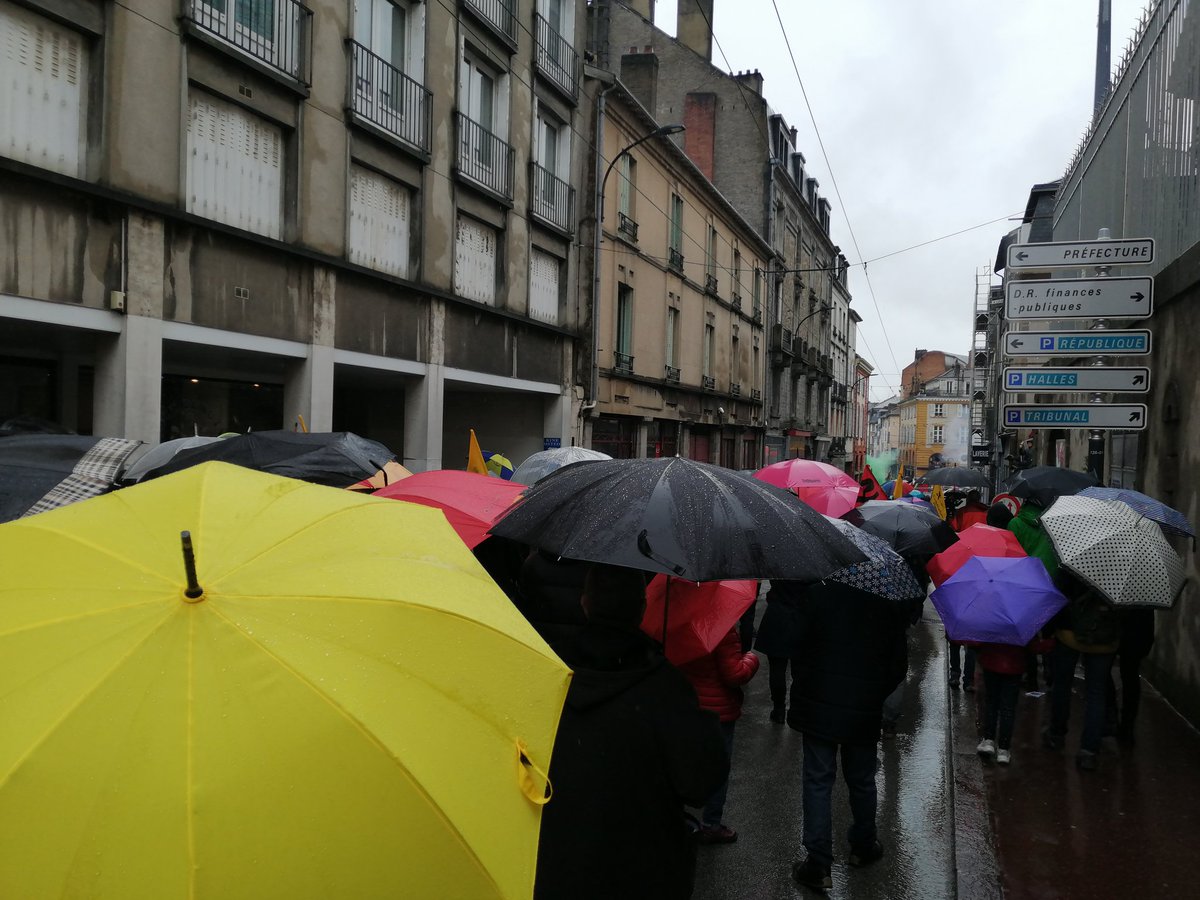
[(471, 502), (700, 614), (978, 540), (825, 488)]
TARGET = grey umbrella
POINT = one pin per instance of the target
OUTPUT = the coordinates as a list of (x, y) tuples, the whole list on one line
[(680, 517), (909, 529), (540, 464), (956, 476)]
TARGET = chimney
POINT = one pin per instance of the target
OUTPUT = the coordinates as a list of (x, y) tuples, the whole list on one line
[(699, 141), (639, 73), (693, 26), (919, 354), (752, 80)]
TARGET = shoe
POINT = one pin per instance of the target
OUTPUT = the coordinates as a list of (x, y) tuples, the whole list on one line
[(812, 874), (969, 688), (866, 855), (1085, 761), (778, 715), (1051, 741), (987, 747), (1003, 757), (716, 834), (954, 681), (888, 729)]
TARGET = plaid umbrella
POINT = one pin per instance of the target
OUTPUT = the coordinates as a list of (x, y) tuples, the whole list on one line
[(1120, 553), (1168, 519), (39, 472), (885, 573)]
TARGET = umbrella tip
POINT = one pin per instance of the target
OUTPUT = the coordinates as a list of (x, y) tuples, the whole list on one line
[(193, 592)]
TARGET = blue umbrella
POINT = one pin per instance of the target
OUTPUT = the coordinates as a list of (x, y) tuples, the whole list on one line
[(997, 600), (1168, 519), (885, 573)]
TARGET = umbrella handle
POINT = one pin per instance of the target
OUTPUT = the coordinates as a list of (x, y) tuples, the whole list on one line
[(643, 545), (193, 591), (537, 792)]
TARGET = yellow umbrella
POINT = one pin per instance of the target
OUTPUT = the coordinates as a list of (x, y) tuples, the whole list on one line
[(349, 708)]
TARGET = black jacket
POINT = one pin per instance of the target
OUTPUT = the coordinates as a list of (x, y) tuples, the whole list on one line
[(633, 746), (550, 590), (853, 654), (779, 631)]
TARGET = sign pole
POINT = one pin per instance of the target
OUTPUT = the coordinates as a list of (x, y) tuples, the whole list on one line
[(1096, 438)]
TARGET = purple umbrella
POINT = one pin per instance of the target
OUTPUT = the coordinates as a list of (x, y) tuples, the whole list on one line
[(997, 600)]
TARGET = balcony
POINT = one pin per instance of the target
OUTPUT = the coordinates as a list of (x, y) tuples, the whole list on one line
[(671, 374), (622, 363), (385, 97), (273, 33), (735, 389), (781, 340), (736, 300), (675, 259), (757, 313), (551, 200), (708, 383), (499, 14), (627, 227), (710, 283), (483, 158), (555, 57), (756, 395)]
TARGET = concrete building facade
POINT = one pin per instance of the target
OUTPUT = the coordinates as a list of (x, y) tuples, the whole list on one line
[(355, 214)]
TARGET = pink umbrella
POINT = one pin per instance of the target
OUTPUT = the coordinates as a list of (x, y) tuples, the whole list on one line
[(470, 502), (826, 489)]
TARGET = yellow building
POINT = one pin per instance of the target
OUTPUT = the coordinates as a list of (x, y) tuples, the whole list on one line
[(934, 414)]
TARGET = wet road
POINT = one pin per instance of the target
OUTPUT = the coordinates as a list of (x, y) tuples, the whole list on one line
[(916, 817)]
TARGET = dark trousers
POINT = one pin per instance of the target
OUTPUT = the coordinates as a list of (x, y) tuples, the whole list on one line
[(1096, 667), (714, 806), (1131, 690), (820, 771), (967, 669), (777, 671), (1000, 693)]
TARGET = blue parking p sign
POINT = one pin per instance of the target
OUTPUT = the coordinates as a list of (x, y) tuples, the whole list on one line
[(1014, 379)]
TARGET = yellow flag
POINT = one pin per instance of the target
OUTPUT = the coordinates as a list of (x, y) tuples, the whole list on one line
[(898, 487), (475, 461), (938, 498)]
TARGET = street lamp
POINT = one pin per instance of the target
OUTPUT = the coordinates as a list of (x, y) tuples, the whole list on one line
[(660, 131)]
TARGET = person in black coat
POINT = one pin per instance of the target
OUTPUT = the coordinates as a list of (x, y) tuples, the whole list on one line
[(550, 589), (778, 637), (853, 654), (633, 747)]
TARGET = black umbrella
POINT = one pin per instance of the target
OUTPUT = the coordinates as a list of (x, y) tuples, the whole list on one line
[(40, 471), (680, 517), (337, 458), (956, 476), (1045, 484), (909, 529)]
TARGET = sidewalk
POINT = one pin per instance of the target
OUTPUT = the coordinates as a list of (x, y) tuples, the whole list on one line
[(1128, 829)]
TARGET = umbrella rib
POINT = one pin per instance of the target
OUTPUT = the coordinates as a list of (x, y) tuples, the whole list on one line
[(46, 623), (372, 739), (32, 522)]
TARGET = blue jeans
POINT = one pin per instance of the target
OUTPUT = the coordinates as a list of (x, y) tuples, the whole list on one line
[(714, 806), (1096, 668), (820, 771)]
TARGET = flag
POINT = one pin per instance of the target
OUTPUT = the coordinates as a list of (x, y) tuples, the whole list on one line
[(869, 488), (475, 461), (898, 487), (938, 498)]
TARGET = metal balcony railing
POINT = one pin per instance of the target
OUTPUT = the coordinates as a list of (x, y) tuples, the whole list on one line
[(735, 389), (708, 382), (627, 226), (755, 394), (500, 14), (675, 259), (672, 374), (555, 57), (781, 339), (736, 300), (274, 32), (757, 313), (551, 199), (710, 283), (484, 158), (386, 97), (622, 362)]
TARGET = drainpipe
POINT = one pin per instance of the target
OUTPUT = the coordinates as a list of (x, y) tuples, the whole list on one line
[(594, 388)]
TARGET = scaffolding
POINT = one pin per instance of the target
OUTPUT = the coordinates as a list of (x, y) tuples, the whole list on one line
[(987, 323)]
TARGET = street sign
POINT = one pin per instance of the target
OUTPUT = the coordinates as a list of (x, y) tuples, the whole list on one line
[(1077, 254), (551, 443), (1009, 502), (1125, 416), (1048, 380), (1079, 298), (981, 454), (1077, 343)]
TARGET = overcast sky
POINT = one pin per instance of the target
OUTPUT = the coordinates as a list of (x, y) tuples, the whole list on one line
[(936, 115)]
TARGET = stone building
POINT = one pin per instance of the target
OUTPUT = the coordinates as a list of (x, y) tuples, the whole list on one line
[(934, 409), (218, 217)]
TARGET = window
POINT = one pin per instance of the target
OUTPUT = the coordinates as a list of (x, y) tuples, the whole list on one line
[(939, 410), (544, 291), (389, 65), (1123, 453), (709, 339), (624, 323), (937, 434), (757, 290), (710, 254), (736, 287), (475, 251), (269, 30), (676, 235), (234, 166), (43, 70), (626, 180), (484, 155), (394, 31), (379, 222), (672, 335)]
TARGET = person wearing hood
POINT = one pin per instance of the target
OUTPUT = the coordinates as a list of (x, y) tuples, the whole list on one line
[(549, 589), (633, 748)]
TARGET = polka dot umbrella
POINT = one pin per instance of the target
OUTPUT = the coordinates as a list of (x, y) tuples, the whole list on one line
[(1120, 553)]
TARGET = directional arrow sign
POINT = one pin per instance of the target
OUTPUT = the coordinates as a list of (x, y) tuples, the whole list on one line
[(1080, 298), (1123, 416), (1077, 343), (1077, 254), (1066, 381)]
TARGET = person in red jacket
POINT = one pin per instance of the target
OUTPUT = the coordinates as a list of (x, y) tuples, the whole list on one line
[(718, 678), (1003, 667)]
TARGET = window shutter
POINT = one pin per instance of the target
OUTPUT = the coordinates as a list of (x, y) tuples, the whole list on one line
[(543, 287), (379, 223), (475, 261)]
